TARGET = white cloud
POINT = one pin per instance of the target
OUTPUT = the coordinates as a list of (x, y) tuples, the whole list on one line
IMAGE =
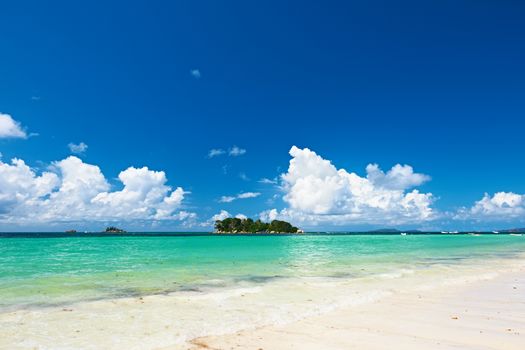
[(223, 214), (10, 128), (77, 148), (144, 195), (400, 177), (269, 215), (195, 73), (501, 206), (232, 152), (76, 191), (267, 181), (227, 199), (317, 192), (244, 195), (220, 216), (20, 185), (214, 152), (236, 151), (248, 195), (244, 177)]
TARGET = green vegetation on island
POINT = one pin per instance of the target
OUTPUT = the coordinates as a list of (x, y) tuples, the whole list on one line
[(236, 225), (113, 229)]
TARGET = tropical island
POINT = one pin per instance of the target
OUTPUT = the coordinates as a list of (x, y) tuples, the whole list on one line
[(113, 229), (236, 225)]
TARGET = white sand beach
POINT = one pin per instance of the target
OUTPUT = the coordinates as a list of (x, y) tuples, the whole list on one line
[(465, 308), (488, 314)]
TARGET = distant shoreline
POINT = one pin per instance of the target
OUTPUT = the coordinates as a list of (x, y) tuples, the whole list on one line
[(200, 234)]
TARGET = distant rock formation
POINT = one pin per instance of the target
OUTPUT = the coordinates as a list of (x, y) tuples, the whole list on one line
[(513, 230)]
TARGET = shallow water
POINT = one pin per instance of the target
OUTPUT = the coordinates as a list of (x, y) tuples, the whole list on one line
[(47, 271)]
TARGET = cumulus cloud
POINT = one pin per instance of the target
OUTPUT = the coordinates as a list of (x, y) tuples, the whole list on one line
[(500, 206), (317, 192), (19, 185), (72, 190), (243, 195), (77, 148), (220, 216), (269, 215), (400, 177), (223, 214), (10, 128), (236, 151)]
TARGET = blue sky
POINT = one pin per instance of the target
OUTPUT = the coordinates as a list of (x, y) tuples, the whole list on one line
[(436, 85)]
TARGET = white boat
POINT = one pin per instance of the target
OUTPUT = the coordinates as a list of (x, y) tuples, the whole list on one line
[(516, 234), (403, 233), (496, 232), (473, 234), (444, 232)]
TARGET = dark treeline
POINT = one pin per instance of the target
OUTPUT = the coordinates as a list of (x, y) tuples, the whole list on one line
[(113, 229), (236, 225)]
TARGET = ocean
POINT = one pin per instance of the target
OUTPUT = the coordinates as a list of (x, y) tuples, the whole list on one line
[(45, 270)]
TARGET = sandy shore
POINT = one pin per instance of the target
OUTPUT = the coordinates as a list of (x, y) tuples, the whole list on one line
[(487, 314), (458, 308)]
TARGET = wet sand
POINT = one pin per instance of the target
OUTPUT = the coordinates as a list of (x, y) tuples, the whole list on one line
[(472, 309), (486, 314)]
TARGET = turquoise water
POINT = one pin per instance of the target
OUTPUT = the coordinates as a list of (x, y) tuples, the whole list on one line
[(37, 272)]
